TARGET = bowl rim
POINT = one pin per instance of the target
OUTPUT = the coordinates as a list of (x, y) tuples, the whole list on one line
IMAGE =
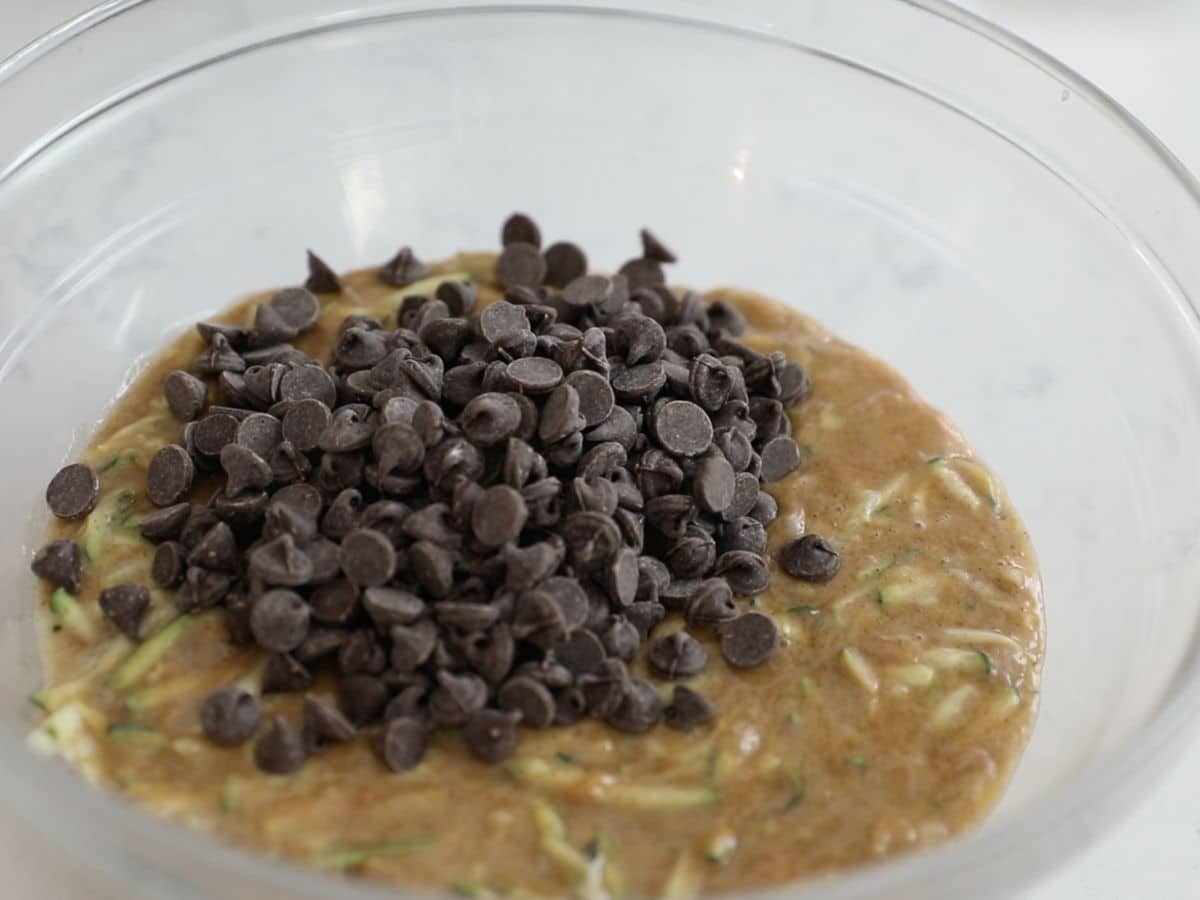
[(1142, 758)]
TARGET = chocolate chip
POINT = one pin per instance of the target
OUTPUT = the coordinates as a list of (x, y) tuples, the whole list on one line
[(780, 456), (279, 621), (645, 615), (459, 296), (213, 432), (535, 374), (325, 559), (230, 715), (565, 262), (746, 572), (653, 577), (675, 596), (688, 709), (362, 698), (283, 674), (280, 749), (619, 428), (654, 249), (323, 725), (491, 735), (621, 638), (296, 307), (499, 516), (412, 644), (202, 589), (711, 604), (561, 414), (588, 291), (683, 428), (490, 653), (320, 643), (401, 743), (280, 562), (168, 567), (500, 319), (765, 508), (520, 265), (321, 278), (219, 357), (713, 484), (530, 699), (288, 463), (308, 382), (582, 652), (73, 492), (402, 269), (642, 273), (640, 709), (592, 539), (124, 605), (605, 689), (186, 395), (456, 697), (361, 653), (490, 419), (60, 563), (368, 557), (710, 382), (745, 496), (811, 558), (433, 567), (169, 476), (164, 524), (749, 640), (595, 396), (640, 383), (520, 229), (677, 655), (670, 514)]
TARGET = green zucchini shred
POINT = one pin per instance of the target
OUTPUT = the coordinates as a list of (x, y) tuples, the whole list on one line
[(803, 609), (68, 611), (148, 653)]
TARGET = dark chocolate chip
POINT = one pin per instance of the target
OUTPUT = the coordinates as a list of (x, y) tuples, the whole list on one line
[(362, 653), (459, 296), (230, 715), (592, 539), (724, 316), (645, 615), (535, 374), (402, 269), (520, 229), (640, 709), (74, 490), (710, 604), (641, 273), (213, 432), (780, 456), (746, 572), (677, 655), (456, 696), (321, 278), (170, 475), (498, 516), (641, 383), (490, 653), (334, 603), (165, 524), (320, 643), (280, 562), (654, 249), (280, 749), (749, 640), (582, 652), (811, 558), (401, 743), (683, 428), (283, 674), (362, 698), (202, 589), (169, 565), (491, 735), (412, 644), (565, 262), (500, 319), (124, 605), (296, 307), (605, 689), (186, 395), (490, 419), (60, 563), (433, 567), (323, 725), (530, 698), (688, 709), (713, 484), (219, 357), (308, 382), (561, 415), (621, 638), (279, 621), (367, 557)]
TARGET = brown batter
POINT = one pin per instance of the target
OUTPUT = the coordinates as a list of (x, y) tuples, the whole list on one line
[(892, 716)]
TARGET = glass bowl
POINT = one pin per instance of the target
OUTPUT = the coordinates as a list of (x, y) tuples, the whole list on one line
[(929, 186)]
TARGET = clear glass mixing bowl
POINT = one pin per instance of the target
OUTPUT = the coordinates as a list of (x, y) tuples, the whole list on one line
[(931, 187)]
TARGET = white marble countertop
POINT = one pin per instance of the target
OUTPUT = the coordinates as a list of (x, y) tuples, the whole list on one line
[(1144, 54)]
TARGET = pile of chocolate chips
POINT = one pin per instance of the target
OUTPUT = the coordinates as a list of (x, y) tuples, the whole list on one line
[(475, 518)]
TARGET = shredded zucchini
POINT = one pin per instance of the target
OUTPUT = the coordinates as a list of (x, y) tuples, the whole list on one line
[(135, 733), (958, 660), (721, 845), (951, 706), (859, 669), (552, 837), (956, 488), (149, 653), (73, 617), (683, 882), (915, 675), (111, 522), (586, 787)]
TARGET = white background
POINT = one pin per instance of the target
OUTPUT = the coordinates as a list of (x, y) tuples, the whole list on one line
[(1146, 54)]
